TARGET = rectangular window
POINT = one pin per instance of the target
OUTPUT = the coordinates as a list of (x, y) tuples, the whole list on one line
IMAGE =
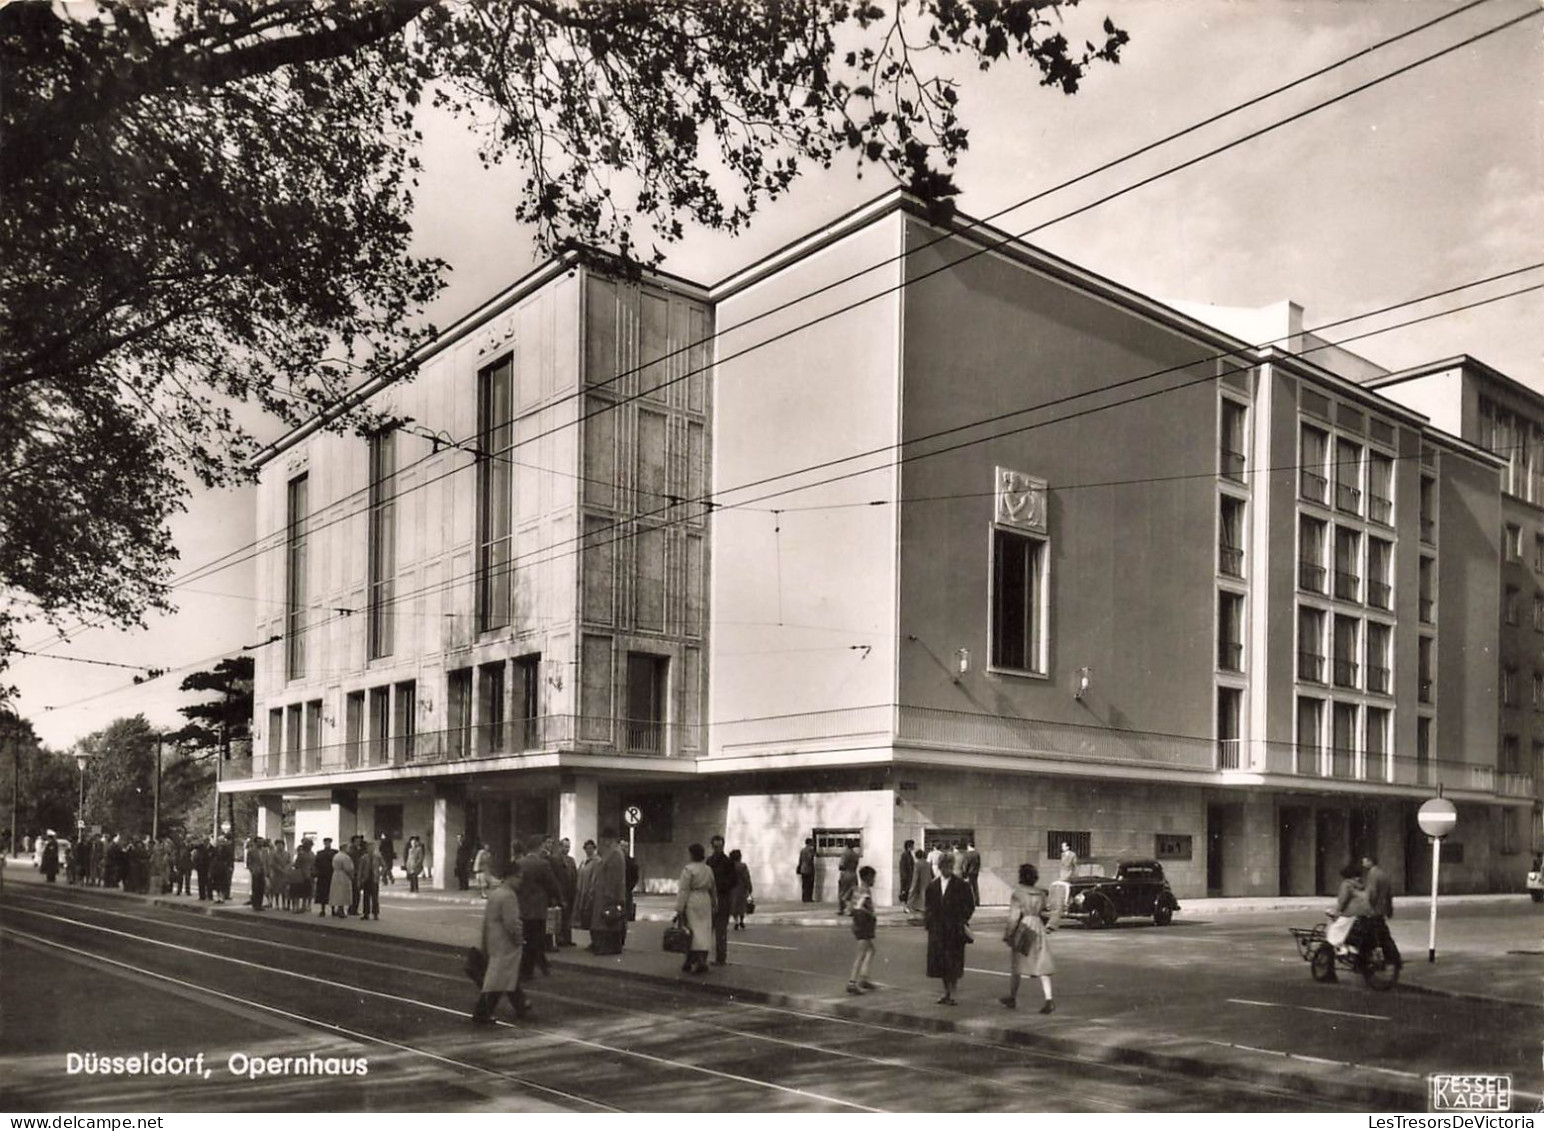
[(1081, 842), (1343, 740), (1428, 510), (1376, 751), (1230, 632), (1018, 602), (404, 722), (313, 749), (1345, 651), (1230, 728), (1230, 536), (1315, 450), (382, 542), (380, 724), (292, 739), (1511, 755), (1380, 575), (1509, 687), (833, 842), (458, 712), (353, 728), (1348, 476), (1511, 837), (1379, 640), (1310, 645), (1348, 564), (647, 689), (276, 742), (1538, 691), (1310, 734), (1311, 573), (1538, 552), (1426, 591), (495, 488), (296, 589), (1233, 440), (1512, 605), (1425, 674), (1380, 488), (491, 707), (527, 718), (1514, 542), (1423, 751)]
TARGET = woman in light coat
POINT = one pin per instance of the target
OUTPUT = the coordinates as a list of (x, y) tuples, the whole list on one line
[(502, 942), (341, 893), (740, 894), (415, 862), (696, 904), (482, 868), (1026, 936)]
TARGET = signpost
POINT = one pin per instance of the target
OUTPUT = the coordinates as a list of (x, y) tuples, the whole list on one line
[(1436, 818), (634, 817)]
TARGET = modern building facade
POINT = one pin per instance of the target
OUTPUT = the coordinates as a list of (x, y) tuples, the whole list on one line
[(908, 531)]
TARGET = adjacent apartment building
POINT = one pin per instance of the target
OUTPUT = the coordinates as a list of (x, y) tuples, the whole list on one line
[(910, 531)]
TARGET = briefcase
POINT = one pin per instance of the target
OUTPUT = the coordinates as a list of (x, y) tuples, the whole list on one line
[(554, 927), (678, 940)]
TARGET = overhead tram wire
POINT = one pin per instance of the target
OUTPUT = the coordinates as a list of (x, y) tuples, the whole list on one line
[(452, 583), (585, 542), (984, 249), (197, 573)]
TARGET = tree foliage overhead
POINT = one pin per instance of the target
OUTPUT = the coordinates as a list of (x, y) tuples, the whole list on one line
[(210, 202)]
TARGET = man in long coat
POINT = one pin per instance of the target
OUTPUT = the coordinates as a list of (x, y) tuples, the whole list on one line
[(1380, 893), (538, 891), (503, 944), (567, 872), (324, 874), (608, 928), (908, 868), (947, 909)]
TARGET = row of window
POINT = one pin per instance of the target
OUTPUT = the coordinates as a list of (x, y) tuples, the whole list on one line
[(1362, 569), (1362, 478), (1520, 442)]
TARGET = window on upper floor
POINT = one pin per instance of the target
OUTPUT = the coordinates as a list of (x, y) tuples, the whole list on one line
[(1511, 605), (528, 730), (296, 569), (458, 712), (1426, 590), (647, 698), (1313, 452), (1514, 542), (1538, 613), (1230, 536), (495, 493), (382, 536), (1380, 576), (1230, 632), (1348, 475), (1426, 670), (1310, 644), (1538, 691), (1379, 641), (1509, 687), (1233, 440), (1018, 602), (1230, 728), (1345, 651), (1380, 488), (1428, 510), (404, 721), (1311, 571), (1348, 564), (1511, 761), (1375, 745), (1538, 553), (490, 707), (1310, 733)]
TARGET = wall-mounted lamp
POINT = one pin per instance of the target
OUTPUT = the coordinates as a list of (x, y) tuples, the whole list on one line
[(1085, 681), (961, 663)]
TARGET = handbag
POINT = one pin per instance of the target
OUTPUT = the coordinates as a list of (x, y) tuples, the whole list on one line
[(678, 940), (476, 964), (750, 905)]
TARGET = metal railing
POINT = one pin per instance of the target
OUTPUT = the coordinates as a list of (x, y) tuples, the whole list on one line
[(1380, 509), (1380, 594), (1230, 656), (1345, 673), (1311, 577), (1348, 498), (1315, 487), (1232, 465), (1428, 530), (1378, 679), (1230, 560), (1347, 585), (1310, 667), (1426, 610)]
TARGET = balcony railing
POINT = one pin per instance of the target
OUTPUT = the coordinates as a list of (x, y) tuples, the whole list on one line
[(1428, 530), (1348, 498), (1426, 610), (1230, 560), (1310, 577), (1230, 753), (1348, 585), (1310, 667), (1378, 679), (1380, 509), (1230, 656), (1345, 673), (1424, 690), (1315, 487), (1380, 594), (1232, 465)]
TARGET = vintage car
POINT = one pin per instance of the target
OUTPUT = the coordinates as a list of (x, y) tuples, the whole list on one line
[(1099, 893), (1535, 883)]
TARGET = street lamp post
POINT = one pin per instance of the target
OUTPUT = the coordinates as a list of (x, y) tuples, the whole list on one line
[(81, 758)]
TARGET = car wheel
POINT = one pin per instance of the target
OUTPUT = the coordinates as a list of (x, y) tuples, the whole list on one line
[(1102, 912), (1163, 915), (1322, 964)]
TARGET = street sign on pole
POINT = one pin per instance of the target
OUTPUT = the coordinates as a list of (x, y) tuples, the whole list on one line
[(1436, 818), (633, 816)]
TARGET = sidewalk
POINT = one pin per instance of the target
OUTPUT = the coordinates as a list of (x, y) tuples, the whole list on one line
[(1486, 969)]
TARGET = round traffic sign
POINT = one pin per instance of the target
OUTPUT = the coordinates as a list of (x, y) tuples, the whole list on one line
[(633, 816), (1437, 817)]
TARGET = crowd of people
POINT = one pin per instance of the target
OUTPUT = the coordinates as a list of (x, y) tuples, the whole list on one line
[(168, 865)]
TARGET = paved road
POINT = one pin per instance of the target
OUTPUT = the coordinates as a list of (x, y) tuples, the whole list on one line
[(82, 972)]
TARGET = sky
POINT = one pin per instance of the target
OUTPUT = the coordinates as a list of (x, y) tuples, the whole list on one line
[(1428, 180)]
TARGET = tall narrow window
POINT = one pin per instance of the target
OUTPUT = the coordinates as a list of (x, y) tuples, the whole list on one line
[(313, 752), (1230, 536), (1425, 673), (1311, 572), (292, 739), (383, 541), (1375, 752), (1233, 440), (353, 728), (527, 728), (1018, 588), (647, 682), (495, 483), (1348, 476), (1379, 639), (1380, 589), (1428, 510), (1348, 564), (1423, 751), (1343, 739), (1230, 733), (458, 712), (1345, 645), (404, 726), (1310, 734), (1230, 632), (1380, 488), (1426, 590), (490, 704), (1310, 645), (296, 531), (380, 724), (275, 742), (1315, 450)]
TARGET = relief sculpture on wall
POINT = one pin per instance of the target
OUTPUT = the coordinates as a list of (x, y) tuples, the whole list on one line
[(1020, 500)]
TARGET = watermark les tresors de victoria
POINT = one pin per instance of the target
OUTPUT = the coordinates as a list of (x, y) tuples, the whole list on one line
[(235, 1064)]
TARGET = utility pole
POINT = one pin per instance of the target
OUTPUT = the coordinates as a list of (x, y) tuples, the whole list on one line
[(155, 813), (5, 731)]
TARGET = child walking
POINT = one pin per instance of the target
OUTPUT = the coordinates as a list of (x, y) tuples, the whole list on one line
[(863, 923)]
